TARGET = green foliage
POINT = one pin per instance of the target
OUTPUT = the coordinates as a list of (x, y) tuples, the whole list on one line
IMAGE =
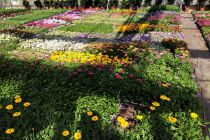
[(89, 28), (164, 8)]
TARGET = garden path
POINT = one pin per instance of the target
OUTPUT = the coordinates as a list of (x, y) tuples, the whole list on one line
[(200, 57)]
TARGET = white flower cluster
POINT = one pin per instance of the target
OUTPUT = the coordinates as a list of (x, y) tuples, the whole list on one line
[(7, 37), (53, 45)]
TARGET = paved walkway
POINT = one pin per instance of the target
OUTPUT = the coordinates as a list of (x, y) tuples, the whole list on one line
[(200, 57)]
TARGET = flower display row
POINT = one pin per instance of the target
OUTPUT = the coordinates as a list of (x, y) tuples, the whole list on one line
[(60, 19), (52, 45)]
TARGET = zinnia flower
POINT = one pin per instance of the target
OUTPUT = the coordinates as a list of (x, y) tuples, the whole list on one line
[(78, 135), (9, 107), (156, 104), (140, 117), (65, 133), (194, 115), (16, 114), (94, 118), (89, 113), (172, 120), (26, 104), (10, 131)]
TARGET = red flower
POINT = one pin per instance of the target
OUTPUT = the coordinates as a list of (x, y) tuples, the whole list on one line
[(117, 76), (121, 71)]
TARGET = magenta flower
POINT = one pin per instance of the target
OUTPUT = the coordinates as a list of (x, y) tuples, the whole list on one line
[(117, 76)]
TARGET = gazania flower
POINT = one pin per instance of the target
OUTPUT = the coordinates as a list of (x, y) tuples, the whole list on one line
[(78, 136), (16, 114), (9, 107), (10, 131), (65, 133), (26, 104), (156, 104), (172, 120), (194, 115), (152, 108), (18, 100), (94, 118), (140, 117), (89, 113)]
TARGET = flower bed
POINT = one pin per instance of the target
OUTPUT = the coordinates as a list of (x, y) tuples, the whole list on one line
[(127, 89), (203, 23)]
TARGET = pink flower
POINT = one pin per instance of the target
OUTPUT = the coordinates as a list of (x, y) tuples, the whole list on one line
[(117, 76), (121, 71), (90, 73), (111, 70)]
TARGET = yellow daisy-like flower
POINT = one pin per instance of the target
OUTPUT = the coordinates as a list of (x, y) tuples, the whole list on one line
[(163, 97), (172, 120), (156, 104), (16, 114), (120, 119), (194, 115), (164, 85), (10, 131), (140, 117), (152, 108), (9, 107), (65, 133), (89, 113), (78, 136), (17, 96), (124, 124), (94, 118), (26, 104), (1, 106), (18, 100)]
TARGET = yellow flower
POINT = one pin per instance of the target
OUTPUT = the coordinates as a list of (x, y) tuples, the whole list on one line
[(16, 114), (65, 133), (1, 106), (120, 119), (9, 107), (17, 96), (194, 115), (10, 131), (164, 85), (163, 97), (140, 117), (77, 135), (18, 100), (124, 124), (152, 108), (172, 120), (94, 118), (156, 104), (26, 104), (89, 113)]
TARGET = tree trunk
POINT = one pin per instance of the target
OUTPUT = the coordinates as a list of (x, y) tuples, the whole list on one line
[(107, 6), (119, 4)]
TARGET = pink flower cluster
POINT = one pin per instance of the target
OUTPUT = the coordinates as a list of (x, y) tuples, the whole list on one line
[(204, 22), (59, 19)]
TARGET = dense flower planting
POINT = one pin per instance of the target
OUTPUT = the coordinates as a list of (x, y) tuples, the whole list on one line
[(100, 85)]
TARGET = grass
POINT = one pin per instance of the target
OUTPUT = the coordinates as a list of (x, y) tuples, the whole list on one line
[(88, 28)]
